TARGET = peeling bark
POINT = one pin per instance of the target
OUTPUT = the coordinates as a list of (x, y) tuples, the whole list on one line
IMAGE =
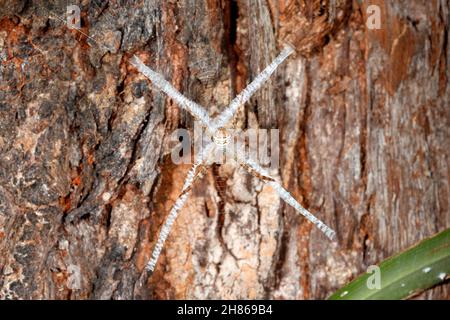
[(86, 178)]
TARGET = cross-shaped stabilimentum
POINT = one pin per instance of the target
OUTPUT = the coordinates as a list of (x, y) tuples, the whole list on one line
[(215, 129)]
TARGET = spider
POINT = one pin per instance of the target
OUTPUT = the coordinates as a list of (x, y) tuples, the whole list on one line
[(220, 138)]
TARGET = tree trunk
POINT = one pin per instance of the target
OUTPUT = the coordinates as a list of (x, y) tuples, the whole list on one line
[(86, 177)]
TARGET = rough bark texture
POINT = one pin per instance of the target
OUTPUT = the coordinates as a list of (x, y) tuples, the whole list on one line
[(86, 178)]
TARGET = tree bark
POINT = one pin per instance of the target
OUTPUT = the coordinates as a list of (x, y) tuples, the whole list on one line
[(86, 178)]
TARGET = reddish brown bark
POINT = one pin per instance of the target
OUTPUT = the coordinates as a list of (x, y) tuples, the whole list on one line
[(86, 178)]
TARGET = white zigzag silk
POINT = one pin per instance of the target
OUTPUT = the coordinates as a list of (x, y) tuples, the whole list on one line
[(179, 203), (286, 196), (242, 97), (199, 112), (158, 81)]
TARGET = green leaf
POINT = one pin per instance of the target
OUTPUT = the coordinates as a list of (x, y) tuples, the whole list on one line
[(405, 274)]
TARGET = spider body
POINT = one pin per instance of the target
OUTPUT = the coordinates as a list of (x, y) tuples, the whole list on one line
[(221, 137)]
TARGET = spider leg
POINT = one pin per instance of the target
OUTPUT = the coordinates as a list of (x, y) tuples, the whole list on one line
[(158, 81), (287, 197), (245, 94), (200, 172), (256, 173), (179, 203)]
